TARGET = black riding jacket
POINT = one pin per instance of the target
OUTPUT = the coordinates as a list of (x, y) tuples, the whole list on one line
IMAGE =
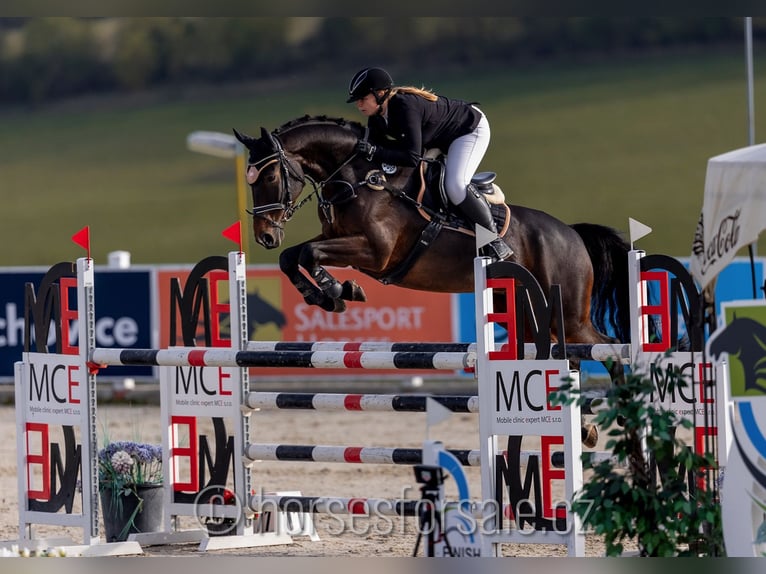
[(416, 124)]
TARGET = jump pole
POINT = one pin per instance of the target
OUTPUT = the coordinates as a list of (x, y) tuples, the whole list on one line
[(383, 455), (334, 402), (219, 357), (589, 352)]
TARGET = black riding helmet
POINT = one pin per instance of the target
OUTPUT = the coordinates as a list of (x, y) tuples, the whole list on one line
[(369, 80)]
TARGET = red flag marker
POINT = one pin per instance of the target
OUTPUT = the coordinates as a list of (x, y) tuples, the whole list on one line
[(82, 238), (234, 233)]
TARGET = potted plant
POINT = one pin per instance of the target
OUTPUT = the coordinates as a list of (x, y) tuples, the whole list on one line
[(130, 485)]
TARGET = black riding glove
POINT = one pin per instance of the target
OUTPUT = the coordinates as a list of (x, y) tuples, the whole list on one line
[(365, 148)]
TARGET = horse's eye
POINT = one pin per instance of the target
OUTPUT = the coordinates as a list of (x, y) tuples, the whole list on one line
[(271, 178)]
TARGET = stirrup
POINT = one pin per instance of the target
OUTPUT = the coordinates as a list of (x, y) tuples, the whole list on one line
[(498, 250)]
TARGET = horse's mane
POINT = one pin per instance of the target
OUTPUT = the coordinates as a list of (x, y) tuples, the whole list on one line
[(356, 127)]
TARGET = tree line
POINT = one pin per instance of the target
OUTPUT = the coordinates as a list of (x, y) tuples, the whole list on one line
[(44, 59)]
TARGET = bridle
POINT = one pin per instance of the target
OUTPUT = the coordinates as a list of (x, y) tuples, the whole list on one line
[(287, 171)]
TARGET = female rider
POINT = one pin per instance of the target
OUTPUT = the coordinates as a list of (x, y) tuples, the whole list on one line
[(404, 121)]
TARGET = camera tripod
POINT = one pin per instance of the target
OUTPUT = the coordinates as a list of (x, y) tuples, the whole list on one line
[(429, 515)]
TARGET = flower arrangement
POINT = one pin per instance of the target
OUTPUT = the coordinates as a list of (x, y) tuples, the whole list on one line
[(124, 464), (125, 470)]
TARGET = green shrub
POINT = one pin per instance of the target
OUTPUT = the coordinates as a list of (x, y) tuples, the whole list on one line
[(667, 513)]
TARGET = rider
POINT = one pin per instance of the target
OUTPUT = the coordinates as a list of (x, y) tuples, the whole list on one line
[(404, 120)]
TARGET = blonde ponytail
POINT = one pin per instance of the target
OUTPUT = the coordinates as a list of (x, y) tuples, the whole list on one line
[(422, 92)]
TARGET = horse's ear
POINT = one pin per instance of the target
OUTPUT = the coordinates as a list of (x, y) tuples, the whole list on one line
[(267, 137), (244, 138)]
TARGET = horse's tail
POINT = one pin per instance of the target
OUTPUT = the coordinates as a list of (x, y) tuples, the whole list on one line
[(610, 306)]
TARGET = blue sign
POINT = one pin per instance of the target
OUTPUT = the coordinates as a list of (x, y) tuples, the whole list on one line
[(123, 302), (735, 282)]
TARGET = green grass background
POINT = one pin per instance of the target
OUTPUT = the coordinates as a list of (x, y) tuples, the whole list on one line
[(598, 142)]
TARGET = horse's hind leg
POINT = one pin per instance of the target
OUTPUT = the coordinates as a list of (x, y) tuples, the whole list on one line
[(586, 333), (588, 431)]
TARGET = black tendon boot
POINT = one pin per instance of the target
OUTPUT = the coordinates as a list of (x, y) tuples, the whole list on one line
[(476, 209)]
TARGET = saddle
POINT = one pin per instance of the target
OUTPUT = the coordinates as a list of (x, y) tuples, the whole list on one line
[(431, 198)]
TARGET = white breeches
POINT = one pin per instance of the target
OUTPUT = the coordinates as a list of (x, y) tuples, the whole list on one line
[(463, 159)]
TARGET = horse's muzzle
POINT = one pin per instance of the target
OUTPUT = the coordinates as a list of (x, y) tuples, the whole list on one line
[(269, 239)]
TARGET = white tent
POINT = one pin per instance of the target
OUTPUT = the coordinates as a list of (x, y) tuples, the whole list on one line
[(733, 210)]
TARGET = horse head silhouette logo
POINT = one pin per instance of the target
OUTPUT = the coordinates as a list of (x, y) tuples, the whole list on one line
[(261, 312), (745, 340)]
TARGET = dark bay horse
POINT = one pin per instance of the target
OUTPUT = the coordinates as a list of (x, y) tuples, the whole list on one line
[(372, 221)]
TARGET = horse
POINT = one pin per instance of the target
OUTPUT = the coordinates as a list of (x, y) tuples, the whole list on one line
[(372, 221)]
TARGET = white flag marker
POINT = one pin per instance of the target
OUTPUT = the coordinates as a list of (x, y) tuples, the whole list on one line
[(484, 236), (435, 413), (637, 230)]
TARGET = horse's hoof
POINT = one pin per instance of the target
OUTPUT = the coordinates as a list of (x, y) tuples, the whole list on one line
[(333, 305), (589, 434), (334, 290), (314, 298), (359, 294), (353, 292)]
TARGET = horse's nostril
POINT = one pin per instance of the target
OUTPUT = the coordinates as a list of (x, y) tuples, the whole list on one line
[(267, 240)]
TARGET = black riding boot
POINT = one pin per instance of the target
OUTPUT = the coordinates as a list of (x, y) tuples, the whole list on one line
[(476, 209)]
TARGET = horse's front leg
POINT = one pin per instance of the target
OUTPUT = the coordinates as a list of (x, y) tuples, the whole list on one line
[(348, 290), (288, 263), (352, 251)]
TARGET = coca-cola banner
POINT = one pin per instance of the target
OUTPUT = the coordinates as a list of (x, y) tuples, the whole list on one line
[(733, 211)]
